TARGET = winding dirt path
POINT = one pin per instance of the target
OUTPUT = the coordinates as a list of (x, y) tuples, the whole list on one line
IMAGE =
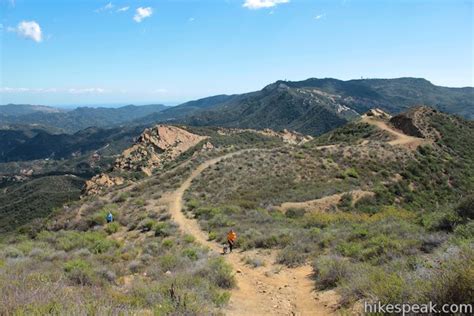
[(325, 203), (400, 138), (267, 290)]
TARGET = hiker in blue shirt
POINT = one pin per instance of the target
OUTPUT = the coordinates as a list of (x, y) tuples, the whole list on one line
[(110, 218)]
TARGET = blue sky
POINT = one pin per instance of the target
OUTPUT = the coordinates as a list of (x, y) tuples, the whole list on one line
[(141, 51)]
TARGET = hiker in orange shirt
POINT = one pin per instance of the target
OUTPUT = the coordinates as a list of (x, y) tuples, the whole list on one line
[(231, 237)]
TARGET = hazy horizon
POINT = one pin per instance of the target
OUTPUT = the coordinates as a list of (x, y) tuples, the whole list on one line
[(116, 104)]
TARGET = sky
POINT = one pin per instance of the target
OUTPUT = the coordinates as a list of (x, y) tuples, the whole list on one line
[(58, 52)]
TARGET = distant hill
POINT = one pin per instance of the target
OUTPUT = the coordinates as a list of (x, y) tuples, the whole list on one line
[(396, 95), (315, 106), (23, 109), (182, 110), (31, 144), (75, 120)]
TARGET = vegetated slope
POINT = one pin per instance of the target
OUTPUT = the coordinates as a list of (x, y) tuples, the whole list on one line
[(23, 202), (140, 263), (278, 107), (396, 95), (315, 106), (411, 240), (32, 162), (182, 110), (20, 145), (413, 233), (82, 117)]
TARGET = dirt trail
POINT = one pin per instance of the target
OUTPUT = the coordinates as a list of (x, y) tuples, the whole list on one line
[(400, 138), (325, 203), (268, 290)]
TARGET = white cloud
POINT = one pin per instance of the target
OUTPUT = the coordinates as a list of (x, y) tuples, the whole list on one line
[(262, 4), (27, 90), (28, 29), (85, 90), (53, 90), (319, 16), (191, 19), (123, 9), (160, 91), (142, 13), (107, 7)]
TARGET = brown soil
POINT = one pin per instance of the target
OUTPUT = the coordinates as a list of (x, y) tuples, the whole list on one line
[(400, 139), (326, 203), (269, 290)]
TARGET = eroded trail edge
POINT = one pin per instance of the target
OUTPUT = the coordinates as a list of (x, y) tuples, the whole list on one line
[(272, 289)]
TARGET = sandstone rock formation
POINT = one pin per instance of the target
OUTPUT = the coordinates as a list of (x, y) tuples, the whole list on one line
[(155, 146), (290, 137), (100, 182), (377, 113)]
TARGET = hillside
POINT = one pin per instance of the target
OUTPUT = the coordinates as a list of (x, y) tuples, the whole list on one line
[(35, 143), (378, 210), (23, 109), (77, 119), (315, 106), (30, 200)]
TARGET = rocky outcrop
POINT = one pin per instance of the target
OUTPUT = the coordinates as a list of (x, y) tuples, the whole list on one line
[(377, 113), (100, 182), (155, 146), (406, 125), (290, 137), (414, 123)]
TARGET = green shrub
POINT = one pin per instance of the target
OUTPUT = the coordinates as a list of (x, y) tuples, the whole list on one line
[(441, 220), (374, 283), (349, 249), (465, 209), (295, 212), (350, 172), (212, 236), (100, 218), (191, 253), (112, 228), (329, 271), (135, 266), (162, 229), (453, 282), (96, 242), (291, 257), (465, 231), (386, 287), (189, 238), (12, 252), (122, 197), (219, 272), (167, 243), (168, 262), (148, 225), (193, 204), (79, 271), (346, 201)]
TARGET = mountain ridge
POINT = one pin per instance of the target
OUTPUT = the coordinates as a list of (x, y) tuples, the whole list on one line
[(314, 102)]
